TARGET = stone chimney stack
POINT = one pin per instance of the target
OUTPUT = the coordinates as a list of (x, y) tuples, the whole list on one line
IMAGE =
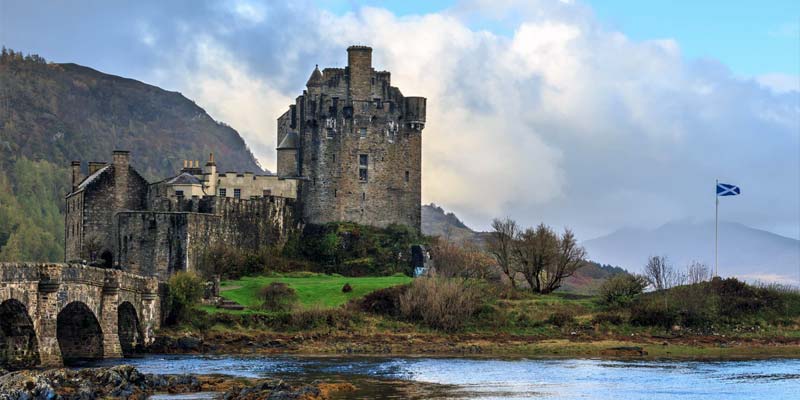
[(77, 177), (359, 65), (121, 163), (210, 176)]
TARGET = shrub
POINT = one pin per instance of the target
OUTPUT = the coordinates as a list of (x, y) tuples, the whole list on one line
[(347, 288), (561, 319), (316, 317), (652, 312), (185, 290), (440, 303), (277, 296), (620, 290), (607, 318), (384, 301)]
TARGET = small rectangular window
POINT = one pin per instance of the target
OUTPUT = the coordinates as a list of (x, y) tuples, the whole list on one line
[(378, 103), (330, 134), (363, 166), (179, 193), (335, 192), (362, 132), (407, 176), (223, 192), (363, 196), (237, 193)]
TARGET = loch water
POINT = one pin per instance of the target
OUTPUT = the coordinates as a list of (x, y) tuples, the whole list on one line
[(477, 378)]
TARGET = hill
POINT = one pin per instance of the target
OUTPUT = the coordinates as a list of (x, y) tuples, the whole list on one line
[(744, 252), (52, 113)]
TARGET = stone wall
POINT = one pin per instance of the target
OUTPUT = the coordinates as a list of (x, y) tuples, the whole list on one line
[(159, 243)]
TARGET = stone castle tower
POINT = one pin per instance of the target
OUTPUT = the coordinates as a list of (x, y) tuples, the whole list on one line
[(354, 143)]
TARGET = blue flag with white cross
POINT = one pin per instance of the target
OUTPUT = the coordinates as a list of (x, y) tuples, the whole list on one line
[(724, 189)]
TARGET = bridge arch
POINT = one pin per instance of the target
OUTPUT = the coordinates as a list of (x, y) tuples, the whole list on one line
[(79, 334), (129, 328), (19, 347)]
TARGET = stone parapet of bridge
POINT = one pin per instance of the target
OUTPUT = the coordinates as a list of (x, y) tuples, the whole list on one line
[(52, 313)]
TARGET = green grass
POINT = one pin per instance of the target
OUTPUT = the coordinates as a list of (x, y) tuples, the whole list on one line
[(312, 289)]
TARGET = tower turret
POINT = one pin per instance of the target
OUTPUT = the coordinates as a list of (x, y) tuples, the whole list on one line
[(359, 66)]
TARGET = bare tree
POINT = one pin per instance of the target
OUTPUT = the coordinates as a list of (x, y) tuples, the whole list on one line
[(461, 260), (662, 275), (535, 250), (697, 272), (501, 245), (569, 258)]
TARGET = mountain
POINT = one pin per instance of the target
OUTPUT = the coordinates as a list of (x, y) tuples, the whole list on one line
[(64, 112), (438, 222), (51, 114), (744, 252)]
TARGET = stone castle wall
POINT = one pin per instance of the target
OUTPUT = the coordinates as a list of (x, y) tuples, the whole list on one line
[(174, 238)]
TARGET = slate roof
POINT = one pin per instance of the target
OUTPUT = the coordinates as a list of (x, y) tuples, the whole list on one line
[(184, 178), (289, 141)]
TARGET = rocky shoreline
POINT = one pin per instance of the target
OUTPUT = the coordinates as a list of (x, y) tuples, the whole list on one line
[(126, 382)]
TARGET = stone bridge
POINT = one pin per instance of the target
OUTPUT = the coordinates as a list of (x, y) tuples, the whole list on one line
[(54, 314)]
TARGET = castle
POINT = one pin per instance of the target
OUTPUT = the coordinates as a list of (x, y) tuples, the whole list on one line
[(349, 149)]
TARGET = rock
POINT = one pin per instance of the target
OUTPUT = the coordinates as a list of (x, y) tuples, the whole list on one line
[(189, 343)]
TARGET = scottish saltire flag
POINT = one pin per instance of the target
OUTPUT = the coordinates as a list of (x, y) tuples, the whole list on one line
[(724, 189)]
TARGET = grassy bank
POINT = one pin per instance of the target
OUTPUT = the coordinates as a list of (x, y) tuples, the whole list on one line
[(507, 322)]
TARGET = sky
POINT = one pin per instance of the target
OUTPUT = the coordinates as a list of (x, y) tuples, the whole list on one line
[(594, 115)]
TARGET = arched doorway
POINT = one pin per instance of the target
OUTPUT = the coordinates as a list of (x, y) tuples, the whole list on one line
[(107, 259), (130, 332), (79, 334), (19, 348)]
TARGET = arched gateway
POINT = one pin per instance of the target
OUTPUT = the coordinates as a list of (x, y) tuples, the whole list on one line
[(53, 314)]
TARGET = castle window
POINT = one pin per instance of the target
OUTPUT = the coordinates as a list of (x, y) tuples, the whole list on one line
[(362, 132), (363, 166), (373, 80), (237, 193), (223, 192), (378, 104), (335, 192), (267, 192), (363, 196), (334, 158), (330, 134), (179, 193), (407, 176)]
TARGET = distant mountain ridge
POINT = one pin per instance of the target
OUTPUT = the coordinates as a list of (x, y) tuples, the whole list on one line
[(64, 112), (744, 252)]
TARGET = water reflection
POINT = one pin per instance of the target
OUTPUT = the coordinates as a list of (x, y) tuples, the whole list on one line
[(508, 379)]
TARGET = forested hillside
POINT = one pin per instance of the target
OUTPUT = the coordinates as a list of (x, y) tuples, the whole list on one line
[(51, 114)]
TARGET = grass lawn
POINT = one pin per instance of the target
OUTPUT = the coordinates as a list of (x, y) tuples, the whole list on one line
[(321, 290)]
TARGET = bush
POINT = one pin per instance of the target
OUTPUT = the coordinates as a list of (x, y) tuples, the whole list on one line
[(316, 317), (561, 319), (383, 301), (347, 288), (440, 303), (621, 290), (185, 291), (277, 296), (607, 318), (652, 313)]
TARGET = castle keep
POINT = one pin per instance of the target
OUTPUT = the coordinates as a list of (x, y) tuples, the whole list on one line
[(349, 149), (354, 142)]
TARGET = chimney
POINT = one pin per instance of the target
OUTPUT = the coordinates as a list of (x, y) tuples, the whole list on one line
[(359, 65), (76, 174), (121, 164), (95, 165)]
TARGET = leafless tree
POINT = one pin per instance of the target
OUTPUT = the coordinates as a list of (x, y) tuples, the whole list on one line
[(500, 244), (662, 275), (465, 260), (535, 250), (569, 258), (697, 272)]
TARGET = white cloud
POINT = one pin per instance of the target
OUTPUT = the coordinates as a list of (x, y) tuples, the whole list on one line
[(780, 83), (563, 121)]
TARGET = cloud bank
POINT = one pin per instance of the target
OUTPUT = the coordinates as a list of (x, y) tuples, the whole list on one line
[(559, 119)]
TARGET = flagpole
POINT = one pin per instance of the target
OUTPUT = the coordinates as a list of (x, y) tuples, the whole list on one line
[(716, 231)]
